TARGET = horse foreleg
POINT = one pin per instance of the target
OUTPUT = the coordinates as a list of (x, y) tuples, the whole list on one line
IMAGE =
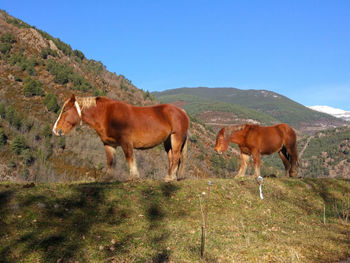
[(111, 161), (244, 165), (256, 159), (129, 156)]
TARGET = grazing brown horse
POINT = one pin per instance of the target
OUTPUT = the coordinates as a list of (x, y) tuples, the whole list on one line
[(256, 140), (120, 124)]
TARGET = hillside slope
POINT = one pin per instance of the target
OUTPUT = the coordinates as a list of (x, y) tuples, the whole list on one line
[(37, 73), (276, 106), (327, 154), (298, 221)]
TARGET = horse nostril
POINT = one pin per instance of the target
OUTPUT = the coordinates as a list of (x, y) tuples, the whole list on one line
[(59, 132)]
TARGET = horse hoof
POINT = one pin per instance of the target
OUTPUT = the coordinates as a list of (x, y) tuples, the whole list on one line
[(169, 179)]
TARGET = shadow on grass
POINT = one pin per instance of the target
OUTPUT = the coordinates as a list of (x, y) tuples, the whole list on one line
[(60, 224), (156, 213), (53, 226)]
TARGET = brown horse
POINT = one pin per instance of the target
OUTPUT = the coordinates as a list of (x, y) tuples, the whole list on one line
[(256, 140), (120, 124)]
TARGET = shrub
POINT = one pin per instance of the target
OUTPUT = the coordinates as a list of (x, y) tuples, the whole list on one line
[(62, 142), (45, 52), (32, 87), (9, 114), (3, 137), (16, 22), (5, 48), (17, 121), (47, 131), (27, 157), (48, 148), (78, 54), (60, 72), (12, 163), (51, 102), (18, 145), (2, 110), (7, 38), (65, 48)]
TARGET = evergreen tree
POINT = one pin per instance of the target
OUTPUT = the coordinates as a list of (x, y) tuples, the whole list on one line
[(18, 145)]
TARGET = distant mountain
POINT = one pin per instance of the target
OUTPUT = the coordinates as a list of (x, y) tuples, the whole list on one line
[(278, 107), (338, 113)]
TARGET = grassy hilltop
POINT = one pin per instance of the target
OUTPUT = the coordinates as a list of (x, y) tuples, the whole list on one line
[(152, 221)]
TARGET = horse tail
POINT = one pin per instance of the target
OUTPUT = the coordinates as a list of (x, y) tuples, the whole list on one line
[(183, 157)]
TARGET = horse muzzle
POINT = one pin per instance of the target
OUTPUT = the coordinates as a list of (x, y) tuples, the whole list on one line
[(59, 133), (218, 151)]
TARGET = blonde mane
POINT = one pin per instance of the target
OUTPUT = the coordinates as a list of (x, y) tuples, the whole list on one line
[(231, 129), (86, 102)]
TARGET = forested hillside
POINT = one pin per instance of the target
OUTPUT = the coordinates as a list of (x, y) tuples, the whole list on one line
[(260, 105)]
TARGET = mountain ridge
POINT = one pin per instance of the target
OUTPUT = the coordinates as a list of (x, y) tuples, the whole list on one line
[(277, 106)]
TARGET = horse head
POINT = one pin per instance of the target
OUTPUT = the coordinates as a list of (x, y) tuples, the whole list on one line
[(69, 117), (222, 142), (224, 136)]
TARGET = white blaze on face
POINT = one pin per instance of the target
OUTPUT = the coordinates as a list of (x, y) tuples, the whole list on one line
[(59, 117), (77, 107)]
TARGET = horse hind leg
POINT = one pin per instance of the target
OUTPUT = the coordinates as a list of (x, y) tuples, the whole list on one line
[(293, 160), (130, 159), (183, 157), (285, 159), (111, 162), (174, 153), (167, 147)]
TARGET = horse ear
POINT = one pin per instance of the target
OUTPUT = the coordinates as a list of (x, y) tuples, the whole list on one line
[(72, 98)]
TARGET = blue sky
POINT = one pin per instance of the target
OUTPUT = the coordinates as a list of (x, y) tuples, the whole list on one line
[(300, 49)]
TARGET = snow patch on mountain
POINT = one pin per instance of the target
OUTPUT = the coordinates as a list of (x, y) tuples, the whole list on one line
[(338, 113)]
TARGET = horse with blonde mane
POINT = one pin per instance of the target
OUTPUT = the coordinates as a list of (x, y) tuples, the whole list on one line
[(256, 140), (120, 124)]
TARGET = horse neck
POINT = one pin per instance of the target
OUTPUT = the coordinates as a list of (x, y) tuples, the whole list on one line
[(235, 133), (90, 111)]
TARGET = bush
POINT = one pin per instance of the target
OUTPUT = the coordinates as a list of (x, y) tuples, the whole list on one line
[(47, 131), (2, 111), (51, 102), (78, 54), (63, 74), (7, 38), (5, 48), (45, 52), (65, 48), (32, 87), (27, 157), (62, 142), (16, 22), (3, 137), (18, 145), (13, 118)]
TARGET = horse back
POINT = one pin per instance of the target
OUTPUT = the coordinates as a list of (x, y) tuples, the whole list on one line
[(144, 126), (267, 140)]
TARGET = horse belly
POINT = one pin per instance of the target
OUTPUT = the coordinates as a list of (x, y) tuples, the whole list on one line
[(271, 145), (147, 139)]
